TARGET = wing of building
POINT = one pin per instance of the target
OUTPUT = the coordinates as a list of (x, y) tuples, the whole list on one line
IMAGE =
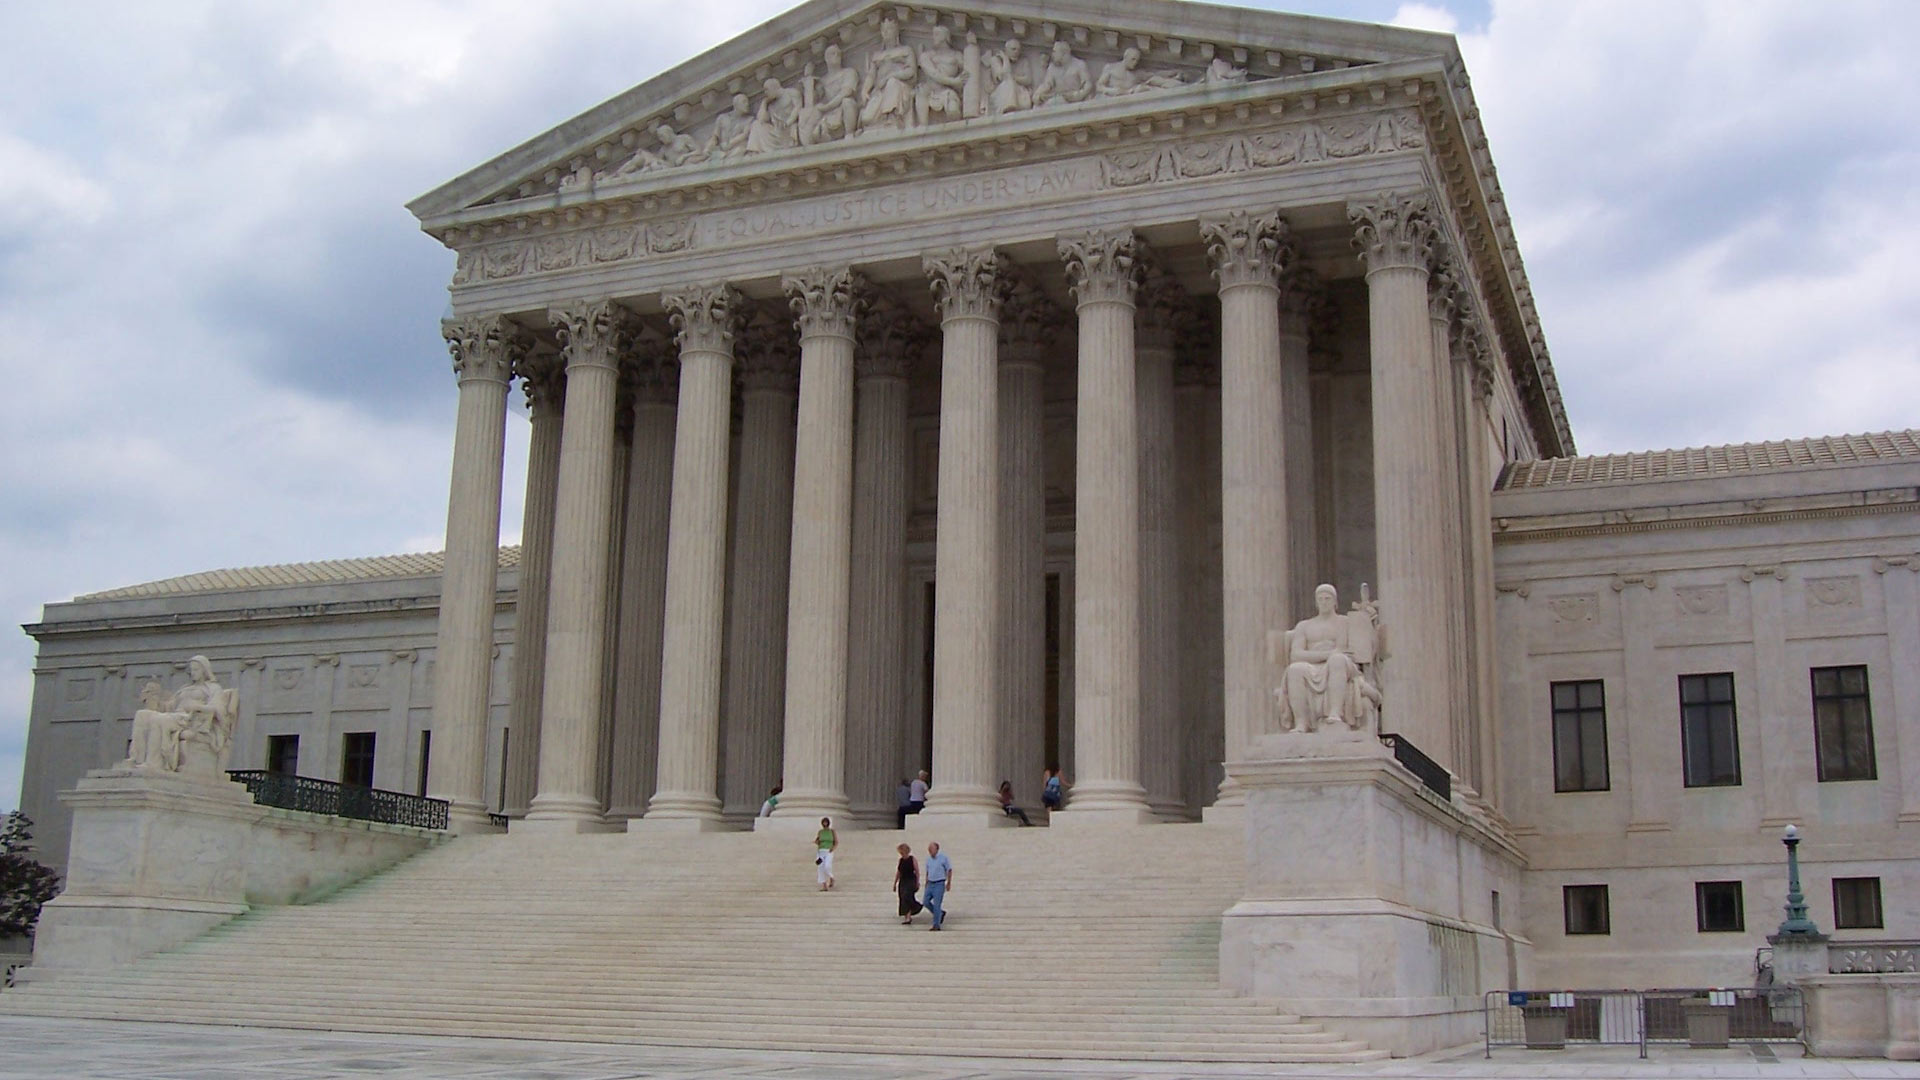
[(985, 387)]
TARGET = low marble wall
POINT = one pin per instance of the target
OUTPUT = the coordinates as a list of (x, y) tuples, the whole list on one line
[(1370, 900), (157, 859), (1863, 1015)]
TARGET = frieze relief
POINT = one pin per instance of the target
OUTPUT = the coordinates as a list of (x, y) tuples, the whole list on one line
[(1295, 145), (1700, 600), (1575, 609), (1833, 593)]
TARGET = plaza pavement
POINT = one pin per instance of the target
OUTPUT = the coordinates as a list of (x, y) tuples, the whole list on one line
[(45, 1049)]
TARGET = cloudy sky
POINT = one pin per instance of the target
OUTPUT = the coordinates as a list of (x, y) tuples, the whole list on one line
[(218, 325)]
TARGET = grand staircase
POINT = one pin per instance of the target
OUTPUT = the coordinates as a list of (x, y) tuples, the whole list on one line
[(1085, 943)]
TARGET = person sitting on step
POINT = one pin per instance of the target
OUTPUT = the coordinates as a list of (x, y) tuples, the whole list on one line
[(1006, 803)]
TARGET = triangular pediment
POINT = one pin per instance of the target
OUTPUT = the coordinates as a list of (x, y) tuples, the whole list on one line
[(830, 74)]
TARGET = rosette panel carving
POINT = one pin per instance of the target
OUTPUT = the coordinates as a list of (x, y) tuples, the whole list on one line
[(968, 282), (705, 317), (1247, 248), (1103, 266), (1393, 230)]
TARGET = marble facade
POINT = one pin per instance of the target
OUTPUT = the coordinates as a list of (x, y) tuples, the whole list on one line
[(968, 388)]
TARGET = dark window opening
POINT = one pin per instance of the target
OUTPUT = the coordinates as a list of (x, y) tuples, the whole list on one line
[(1718, 907), (283, 754), (1709, 731), (1580, 736), (356, 758), (1843, 723), (1856, 903), (1586, 909)]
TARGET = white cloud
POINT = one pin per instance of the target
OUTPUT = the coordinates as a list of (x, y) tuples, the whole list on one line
[(1426, 17)]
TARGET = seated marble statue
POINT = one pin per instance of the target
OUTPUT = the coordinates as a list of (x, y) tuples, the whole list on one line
[(188, 731), (1327, 684)]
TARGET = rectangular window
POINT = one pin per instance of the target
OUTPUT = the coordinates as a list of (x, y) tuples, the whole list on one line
[(1717, 907), (1586, 909), (1709, 733), (356, 758), (283, 754), (1843, 723), (1580, 736), (1856, 903), (426, 754)]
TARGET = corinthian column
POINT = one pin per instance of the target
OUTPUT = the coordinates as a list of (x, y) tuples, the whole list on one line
[(1442, 296), (1028, 325), (687, 793), (968, 287), (484, 351), (591, 335), (643, 586), (1196, 390), (1103, 272), (1395, 238), (544, 380), (825, 302), (1300, 293), (1249, 252), (878, 647), (1164, 307), (756, 656)]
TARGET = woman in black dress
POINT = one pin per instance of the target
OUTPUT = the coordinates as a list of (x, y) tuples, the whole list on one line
[(906, 882)]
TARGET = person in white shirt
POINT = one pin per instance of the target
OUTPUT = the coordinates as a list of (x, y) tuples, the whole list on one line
[(916, 797)]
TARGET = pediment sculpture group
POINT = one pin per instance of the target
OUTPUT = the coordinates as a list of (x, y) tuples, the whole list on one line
[(899, 89), (1330, 667), (187, 731)]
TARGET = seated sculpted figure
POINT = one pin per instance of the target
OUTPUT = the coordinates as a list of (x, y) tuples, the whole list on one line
[(212, 711), (1326, 685), (886, 91), (156, 731)]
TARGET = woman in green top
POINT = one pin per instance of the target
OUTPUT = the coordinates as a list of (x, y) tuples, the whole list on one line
[(824, 843)]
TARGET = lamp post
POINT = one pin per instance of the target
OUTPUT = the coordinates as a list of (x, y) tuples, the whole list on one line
[(1796, 926)]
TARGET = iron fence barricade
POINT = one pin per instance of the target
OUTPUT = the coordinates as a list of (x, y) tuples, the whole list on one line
[(305, 794), (1552, 1019)]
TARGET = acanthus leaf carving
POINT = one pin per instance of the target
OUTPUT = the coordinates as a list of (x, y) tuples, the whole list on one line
[(1029, 323), (1163, 307), (486, 347), (705, 317), (1246, 248), (968, 282), (1393, 230), (826, 302), (592, 333), (888, 339), (769, 354), (1103, 266)]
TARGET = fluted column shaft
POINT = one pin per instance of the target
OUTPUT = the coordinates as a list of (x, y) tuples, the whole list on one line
[(484, 350), (1447, 421), (544, 381), (1475, 391), (1163, 307), (1027, 327), (1395, 238), (1296, 396), (687, 791), (643, 592), (571, 712), (1248, 255), (1106, 549), (1197, 448), (969, 286), (822, 547), (878, 645), (751, 700)]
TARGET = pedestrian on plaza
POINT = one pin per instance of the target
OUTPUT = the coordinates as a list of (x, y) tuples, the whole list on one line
[(902, 798), (824, 842), (939, 880), (1006, 803), (773, 800), (906, 882), (1052, 787)]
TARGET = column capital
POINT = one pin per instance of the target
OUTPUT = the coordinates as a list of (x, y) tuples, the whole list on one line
[(1163, 307), (543, 378), (826, 302), (592, 333), (1445, 295), (1247, 248), (651, 367), (968, 282), (1473, 347), (1393, 230), (705, 317), (1028, 321), (769, 354), (1302, 295), (888, 337), (484, 347), (1103, 265)]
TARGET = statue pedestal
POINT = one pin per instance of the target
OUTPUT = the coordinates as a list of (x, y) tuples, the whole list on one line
[(1369, 902), (156, 858)]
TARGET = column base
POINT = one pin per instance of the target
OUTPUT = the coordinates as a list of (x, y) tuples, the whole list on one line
[(809, 807), (465, 820), (1074, 818), (557, 825), (1230, 815), (797, 824), (658, 824)]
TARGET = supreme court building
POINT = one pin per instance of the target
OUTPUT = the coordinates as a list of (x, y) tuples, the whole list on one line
[(976, 387)]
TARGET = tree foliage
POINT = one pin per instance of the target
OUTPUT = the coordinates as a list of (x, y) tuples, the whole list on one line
[(24, 883)]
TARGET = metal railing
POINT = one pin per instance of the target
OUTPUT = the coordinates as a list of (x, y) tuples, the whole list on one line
[(1872, 957), (342, 800), (1437, 779), (10, 963), (1553, 1019)]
